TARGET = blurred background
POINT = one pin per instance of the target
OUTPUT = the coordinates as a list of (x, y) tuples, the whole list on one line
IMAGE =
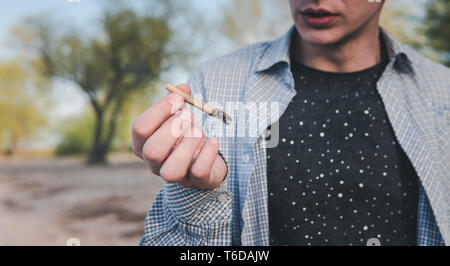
[(74, 74)]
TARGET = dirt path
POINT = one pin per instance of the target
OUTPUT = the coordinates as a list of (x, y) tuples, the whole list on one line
[(48, 201)]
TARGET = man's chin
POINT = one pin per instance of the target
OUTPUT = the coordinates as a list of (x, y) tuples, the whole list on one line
[(321, 40), (320, 37)]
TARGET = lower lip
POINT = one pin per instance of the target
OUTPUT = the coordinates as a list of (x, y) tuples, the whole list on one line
[(320, 22)]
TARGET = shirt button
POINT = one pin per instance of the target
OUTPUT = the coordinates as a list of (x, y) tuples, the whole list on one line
[(246, 158), (266, 134), (222, 198)]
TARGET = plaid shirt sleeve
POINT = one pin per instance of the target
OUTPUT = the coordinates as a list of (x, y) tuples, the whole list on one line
[(190, 217)]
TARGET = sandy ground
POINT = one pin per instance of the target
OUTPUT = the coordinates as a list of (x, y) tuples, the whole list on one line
[(48, 201)]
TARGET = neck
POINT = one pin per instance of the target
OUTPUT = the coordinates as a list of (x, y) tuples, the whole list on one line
[(357, 52)]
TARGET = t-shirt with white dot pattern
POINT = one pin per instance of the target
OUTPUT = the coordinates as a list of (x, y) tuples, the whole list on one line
[(338, 175)]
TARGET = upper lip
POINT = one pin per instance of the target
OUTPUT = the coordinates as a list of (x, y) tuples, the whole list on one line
[(317, 11)]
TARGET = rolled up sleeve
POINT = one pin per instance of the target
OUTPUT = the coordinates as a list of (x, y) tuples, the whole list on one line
[(190, 217)]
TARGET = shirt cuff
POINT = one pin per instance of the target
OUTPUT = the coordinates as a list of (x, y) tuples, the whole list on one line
[(194, 206)]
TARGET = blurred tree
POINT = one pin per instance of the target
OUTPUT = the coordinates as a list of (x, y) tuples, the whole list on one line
[(127, 57), (20, 114), (77, 135), (249, 21), (398, 19), (437, 28)]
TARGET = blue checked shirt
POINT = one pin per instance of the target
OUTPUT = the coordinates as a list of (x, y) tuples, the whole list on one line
[(415, 92)]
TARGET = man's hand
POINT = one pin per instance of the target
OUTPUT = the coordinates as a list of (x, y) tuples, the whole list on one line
[(175, 147)]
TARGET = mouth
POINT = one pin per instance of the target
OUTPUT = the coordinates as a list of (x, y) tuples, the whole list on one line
[(318, 17)]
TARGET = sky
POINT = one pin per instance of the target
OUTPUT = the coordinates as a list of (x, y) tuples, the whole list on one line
[(79, 13)]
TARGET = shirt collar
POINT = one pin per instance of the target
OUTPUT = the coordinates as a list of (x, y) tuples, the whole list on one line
[(394, 48), (278, 51)]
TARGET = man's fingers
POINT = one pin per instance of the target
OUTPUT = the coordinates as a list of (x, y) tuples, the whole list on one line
[(175, 167), (149, 121), (185, 88), (200, 172), (159, 145)]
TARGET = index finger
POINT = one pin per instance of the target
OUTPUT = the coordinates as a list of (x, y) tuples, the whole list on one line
[(149, 121)]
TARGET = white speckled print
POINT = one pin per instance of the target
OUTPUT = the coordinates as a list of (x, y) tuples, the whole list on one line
[(338, 176)]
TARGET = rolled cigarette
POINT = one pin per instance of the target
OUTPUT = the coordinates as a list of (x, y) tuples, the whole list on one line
[(204, 107)]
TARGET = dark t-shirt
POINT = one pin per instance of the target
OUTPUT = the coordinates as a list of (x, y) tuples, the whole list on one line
[(339, 176)]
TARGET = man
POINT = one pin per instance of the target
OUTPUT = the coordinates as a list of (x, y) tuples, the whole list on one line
[(363, 151)]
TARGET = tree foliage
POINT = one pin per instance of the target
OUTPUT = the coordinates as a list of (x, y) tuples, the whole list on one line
[(20, 113), (437, 25), (249, 21), (397, 18), (76, 135), (128, 56)]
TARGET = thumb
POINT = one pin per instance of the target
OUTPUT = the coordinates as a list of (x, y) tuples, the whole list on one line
[(185, 88)]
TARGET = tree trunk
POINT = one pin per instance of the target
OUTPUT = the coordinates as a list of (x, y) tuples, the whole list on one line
[(97, 154), (9, 151), (11, 146), (104, 131), (103, 137), (112, 125)]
